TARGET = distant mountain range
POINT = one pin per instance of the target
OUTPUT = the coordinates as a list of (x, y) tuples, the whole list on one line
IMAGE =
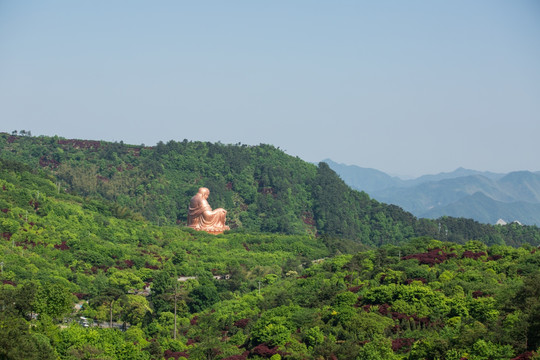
[(482, 196)]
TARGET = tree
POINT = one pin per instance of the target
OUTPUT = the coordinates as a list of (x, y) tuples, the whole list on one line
[(135, 309), (379, 348), (202, 297), (313, 336), (108, 297), (17, 343), (125, 280), (528, 300), (54, 300), (161, 286), (25, 298)]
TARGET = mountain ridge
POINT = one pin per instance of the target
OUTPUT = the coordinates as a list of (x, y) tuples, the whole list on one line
[(444, 193), (477, 203), (350, 173)]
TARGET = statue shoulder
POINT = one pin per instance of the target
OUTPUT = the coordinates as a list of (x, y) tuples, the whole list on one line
[(196, 201)]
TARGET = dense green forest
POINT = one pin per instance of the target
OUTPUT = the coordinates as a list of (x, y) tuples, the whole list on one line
[(370, 288), (262, 188)]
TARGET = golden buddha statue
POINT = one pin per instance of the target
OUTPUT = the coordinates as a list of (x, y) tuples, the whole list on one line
[(202, 217)]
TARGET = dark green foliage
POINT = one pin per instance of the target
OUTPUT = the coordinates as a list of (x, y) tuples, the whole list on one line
[(528, 301), (162, 286), (262, 188), (16, 341), (202, 297)]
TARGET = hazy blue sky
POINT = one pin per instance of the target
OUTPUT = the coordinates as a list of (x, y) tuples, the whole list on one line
[(407, 87)]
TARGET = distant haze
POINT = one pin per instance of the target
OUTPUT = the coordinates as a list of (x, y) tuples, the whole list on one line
[(483, 196), (407, 87)]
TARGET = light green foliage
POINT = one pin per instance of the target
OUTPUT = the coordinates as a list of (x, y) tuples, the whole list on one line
[(446, 276), (274, 333), (313, 336), (368, 325), (406, 307), (97, 245), (422, 299), (9, 225), (390, 276), (238, 338), (454, 354), (459, 306), (54, 300), (379, 348), (270, 278), (434, 244), (483, 309), (82, 342), (276, 325), (428, 348), (136, 308), (345, 299), (337, 262), (484, 350), (475, 246), (136, 335), (124, 280)]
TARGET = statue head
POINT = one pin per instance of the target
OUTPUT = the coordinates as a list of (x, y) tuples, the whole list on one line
[(204, 192)]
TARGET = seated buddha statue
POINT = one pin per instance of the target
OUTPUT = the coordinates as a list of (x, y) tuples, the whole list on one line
[(202, 217)]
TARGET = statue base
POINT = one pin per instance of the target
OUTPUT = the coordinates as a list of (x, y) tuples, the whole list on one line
[(213, 232)]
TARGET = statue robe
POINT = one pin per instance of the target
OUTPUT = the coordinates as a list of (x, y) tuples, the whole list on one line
[(202, 217)]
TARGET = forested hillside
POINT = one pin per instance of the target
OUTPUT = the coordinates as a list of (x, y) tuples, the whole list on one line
[(262, 188), (246, 295), (59, 249)]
